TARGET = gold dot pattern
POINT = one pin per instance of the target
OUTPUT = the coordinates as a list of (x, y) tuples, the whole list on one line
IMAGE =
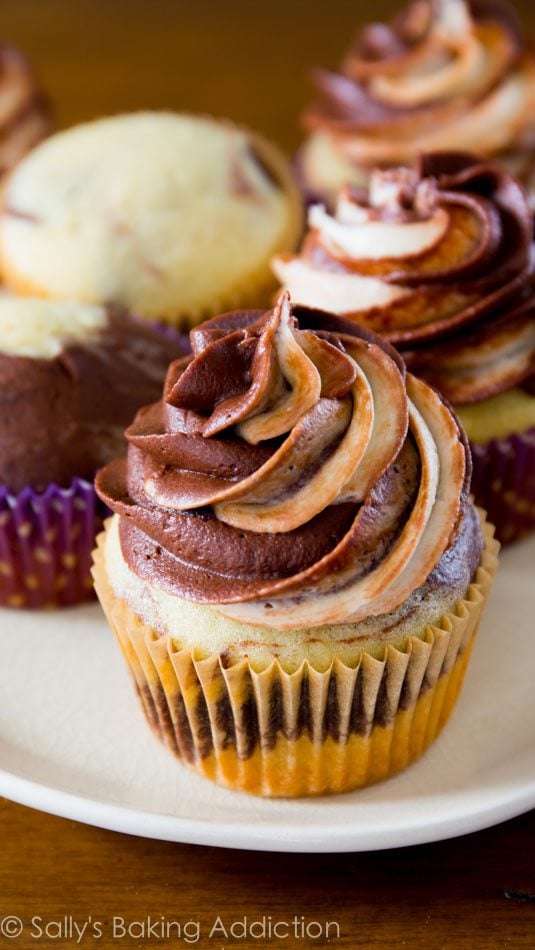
[(46, 543)]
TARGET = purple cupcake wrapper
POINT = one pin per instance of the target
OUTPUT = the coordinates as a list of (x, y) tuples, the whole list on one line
[(46, 543), (503, 483)]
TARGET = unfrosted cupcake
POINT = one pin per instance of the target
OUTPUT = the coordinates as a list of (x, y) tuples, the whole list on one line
[(444, 74), (294, 571), (169, 216), (441, 262), (24, 111), (71, 377)]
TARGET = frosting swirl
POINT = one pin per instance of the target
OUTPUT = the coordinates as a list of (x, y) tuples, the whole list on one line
[(443, 74), (440, 261), (24, 112), (291, 475)]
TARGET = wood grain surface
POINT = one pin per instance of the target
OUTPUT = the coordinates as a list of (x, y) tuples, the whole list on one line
[(248, 60), (476, 892)]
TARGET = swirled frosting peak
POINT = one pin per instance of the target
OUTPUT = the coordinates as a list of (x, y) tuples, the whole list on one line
[(439, 260), (291, 475), (443, 74)]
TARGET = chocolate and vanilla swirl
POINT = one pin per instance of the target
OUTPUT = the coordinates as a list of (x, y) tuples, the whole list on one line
[(444, 74), (440, 261), (292, 474), (24, 112)]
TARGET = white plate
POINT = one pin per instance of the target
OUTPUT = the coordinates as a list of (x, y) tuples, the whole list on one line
[(73, 742)]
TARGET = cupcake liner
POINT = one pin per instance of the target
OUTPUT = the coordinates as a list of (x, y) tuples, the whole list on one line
[(46, 542), (503, 482), (308, 732)]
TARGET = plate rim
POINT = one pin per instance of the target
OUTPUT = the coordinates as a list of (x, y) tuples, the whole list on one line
[(251, 836)]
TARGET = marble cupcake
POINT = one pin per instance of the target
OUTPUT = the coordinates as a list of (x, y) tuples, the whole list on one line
[(71, 378), (444, 74), (441, 262), (25, 117), (294, 570), (168, 216)]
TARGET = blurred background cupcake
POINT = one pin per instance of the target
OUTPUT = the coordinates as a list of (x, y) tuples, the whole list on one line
[(441, 262), (172, 217), (443, 74), (71, 377), (294, 570), (25, 115)]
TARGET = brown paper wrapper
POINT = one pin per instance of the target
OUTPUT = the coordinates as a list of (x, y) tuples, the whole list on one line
[(308, 732)]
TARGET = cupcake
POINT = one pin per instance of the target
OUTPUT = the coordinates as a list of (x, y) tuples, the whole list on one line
[(24, 112), (443, 75), (71, 378), (294, 570), (441, 262), (168, 216)]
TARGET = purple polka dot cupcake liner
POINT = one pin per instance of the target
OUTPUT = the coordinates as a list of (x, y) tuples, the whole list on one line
[(503, 483), (46, 542)]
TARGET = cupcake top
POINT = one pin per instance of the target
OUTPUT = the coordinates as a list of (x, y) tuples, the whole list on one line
[(440, 261), (292, 475), (24, 112), (443, 74), (71, 378), (164, 215)]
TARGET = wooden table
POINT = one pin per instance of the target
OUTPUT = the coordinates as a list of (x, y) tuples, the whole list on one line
[(248, 60), (476, 892)]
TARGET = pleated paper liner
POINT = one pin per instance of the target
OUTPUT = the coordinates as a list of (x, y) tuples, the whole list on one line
[(308, 732), (503, 482), (46, 544)]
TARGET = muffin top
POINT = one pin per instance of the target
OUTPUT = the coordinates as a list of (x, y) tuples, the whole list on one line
[(446, 74), (292, 475), (440, 261), (164, 215), (72, 377), (24, 112)]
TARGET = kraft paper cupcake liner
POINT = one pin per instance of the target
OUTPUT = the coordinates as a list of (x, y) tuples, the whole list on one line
[(308, 732), (503, 482), (46, 543)]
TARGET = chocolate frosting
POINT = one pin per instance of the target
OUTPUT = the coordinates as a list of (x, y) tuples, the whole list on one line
[(25, 117), (291, 475), (460, 305), (422, 76), (65, 417)]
